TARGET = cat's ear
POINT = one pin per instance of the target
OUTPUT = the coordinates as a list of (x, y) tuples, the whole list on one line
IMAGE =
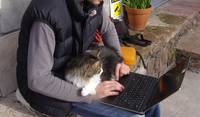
[(97, 63), (98, 53)]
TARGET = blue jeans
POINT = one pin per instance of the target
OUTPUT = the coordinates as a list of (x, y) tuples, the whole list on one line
[(96, 109), (153, 112)]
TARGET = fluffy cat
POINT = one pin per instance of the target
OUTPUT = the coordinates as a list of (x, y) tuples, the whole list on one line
[(88, 70)]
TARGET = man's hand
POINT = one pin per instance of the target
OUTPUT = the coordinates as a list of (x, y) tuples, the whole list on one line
[(108, 88), (121, 70)]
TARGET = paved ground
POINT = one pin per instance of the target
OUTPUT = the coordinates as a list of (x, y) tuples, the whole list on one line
[(190, 44), (191, 41), (186, 102)]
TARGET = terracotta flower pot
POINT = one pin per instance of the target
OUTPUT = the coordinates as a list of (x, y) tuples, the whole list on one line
[(138, 18)]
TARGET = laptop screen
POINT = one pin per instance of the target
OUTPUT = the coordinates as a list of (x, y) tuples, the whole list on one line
[(170, 82)]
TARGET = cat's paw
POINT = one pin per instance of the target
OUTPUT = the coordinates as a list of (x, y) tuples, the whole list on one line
[(85, 92), (90, 88)]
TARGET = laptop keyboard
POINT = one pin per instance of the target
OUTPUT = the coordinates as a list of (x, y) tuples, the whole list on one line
[(136, 90)]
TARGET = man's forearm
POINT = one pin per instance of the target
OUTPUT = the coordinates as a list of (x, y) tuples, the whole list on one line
[(40, 62), (109, 34)]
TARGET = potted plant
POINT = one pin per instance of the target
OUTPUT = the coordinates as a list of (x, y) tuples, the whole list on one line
[(138, 12)]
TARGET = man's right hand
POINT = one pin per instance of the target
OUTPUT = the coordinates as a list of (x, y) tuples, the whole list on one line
[(108, 88)]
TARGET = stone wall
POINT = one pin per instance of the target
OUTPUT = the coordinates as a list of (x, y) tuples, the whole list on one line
[(164, 30)]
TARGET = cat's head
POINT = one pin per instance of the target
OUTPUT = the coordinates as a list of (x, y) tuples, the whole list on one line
[(91, 63), (85, 65), (107, 59)]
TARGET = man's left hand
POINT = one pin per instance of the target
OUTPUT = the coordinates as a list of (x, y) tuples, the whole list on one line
[(121, 70)]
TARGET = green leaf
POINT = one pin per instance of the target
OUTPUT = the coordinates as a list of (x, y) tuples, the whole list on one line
[(140, 4)]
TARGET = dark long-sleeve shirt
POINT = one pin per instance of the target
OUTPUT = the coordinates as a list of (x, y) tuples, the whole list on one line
[(40, 62)]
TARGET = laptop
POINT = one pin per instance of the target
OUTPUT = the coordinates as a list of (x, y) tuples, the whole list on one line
[(142, 92)]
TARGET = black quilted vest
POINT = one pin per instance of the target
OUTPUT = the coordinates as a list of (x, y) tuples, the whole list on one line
[(74, 30)]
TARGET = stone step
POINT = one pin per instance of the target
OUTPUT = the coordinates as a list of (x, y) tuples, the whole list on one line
[(10, 107), (165, 28)]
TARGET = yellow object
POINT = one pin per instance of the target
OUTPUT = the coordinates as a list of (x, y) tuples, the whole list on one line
[(129, 55), (117, 9)]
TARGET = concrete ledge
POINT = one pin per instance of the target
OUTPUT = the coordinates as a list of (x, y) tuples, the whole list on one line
[(8, 47), (11, 14)]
